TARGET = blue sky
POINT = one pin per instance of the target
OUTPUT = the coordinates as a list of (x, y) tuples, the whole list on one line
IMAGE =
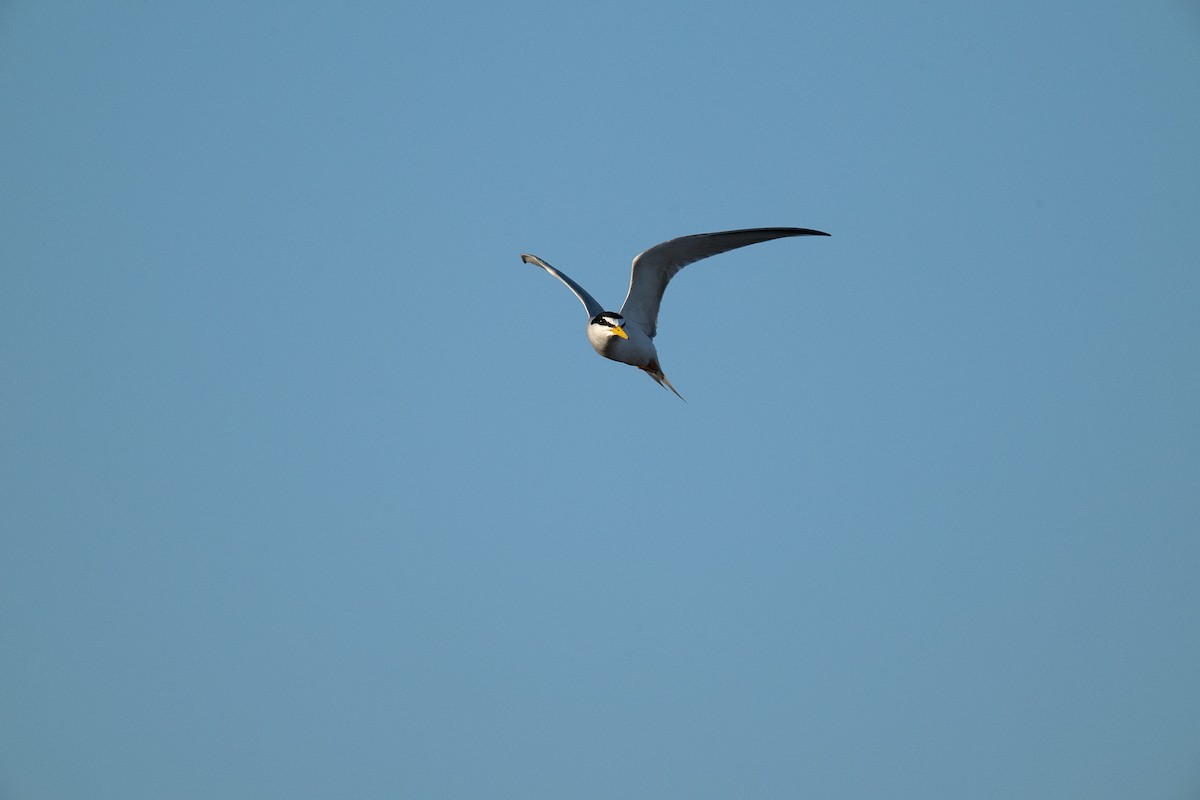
[(311, 488)]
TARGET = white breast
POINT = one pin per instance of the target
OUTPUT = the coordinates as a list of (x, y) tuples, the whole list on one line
[(638, 350)]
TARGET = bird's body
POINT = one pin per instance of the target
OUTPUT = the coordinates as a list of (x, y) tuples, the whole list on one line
[(628, 336)]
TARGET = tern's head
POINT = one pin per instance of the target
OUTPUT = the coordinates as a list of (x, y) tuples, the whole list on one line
[(608, 324)]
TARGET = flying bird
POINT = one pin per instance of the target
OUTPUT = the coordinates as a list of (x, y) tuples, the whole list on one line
[(628, 336)]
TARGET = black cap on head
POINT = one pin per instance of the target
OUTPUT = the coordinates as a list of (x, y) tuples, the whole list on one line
[(608, 319)]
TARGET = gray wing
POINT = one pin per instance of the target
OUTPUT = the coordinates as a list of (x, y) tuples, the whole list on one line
[(653, 269), (589, 302)]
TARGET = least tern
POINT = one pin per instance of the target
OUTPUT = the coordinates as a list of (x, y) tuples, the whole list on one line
[(628, 336)]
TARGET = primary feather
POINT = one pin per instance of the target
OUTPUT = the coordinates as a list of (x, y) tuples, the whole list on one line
[(589, 302), (653, 269)]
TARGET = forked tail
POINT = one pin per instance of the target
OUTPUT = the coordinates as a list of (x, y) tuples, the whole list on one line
[(655, 371)]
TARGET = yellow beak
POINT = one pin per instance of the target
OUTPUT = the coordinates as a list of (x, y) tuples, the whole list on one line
[(618, 332)]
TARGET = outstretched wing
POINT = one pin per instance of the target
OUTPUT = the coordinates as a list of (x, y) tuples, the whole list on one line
[(589, 302), (653, 269)]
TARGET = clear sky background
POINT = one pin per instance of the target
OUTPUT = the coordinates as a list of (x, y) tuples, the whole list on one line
[(310, 488)]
